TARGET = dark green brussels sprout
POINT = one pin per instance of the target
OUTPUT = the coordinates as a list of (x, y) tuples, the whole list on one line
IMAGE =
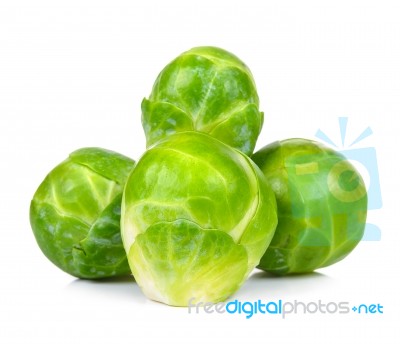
[(322, 205), (205, 89), (75, 214), (197, 215)]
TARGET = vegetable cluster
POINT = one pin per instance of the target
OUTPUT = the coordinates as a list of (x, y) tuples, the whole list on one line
[(197, 212)]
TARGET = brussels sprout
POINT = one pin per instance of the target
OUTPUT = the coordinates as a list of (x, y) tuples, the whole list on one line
[(75, 213), (322, 205), (196, 218), (205, 89)]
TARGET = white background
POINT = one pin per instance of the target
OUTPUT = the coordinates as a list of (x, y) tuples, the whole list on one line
[(73, 74)]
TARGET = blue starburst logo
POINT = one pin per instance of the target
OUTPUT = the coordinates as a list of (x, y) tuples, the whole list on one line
[(365, 159)]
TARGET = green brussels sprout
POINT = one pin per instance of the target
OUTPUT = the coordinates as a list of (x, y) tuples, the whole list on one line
[(205, 89), (322, 205), (197, 215), (75, 214)]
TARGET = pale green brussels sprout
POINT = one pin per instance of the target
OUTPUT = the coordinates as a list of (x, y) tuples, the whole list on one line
[(205, 89), (75, 213), (322, 205), (197, 215)]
